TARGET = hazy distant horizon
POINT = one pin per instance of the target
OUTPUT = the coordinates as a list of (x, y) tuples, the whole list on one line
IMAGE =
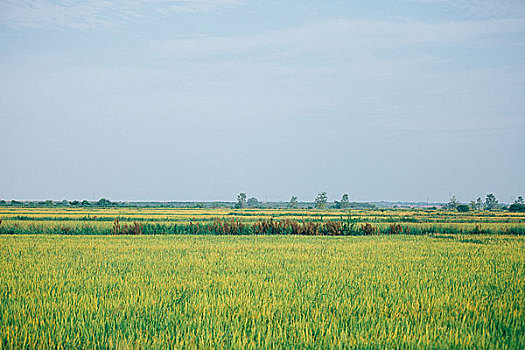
[(201, 100), (262, 200)]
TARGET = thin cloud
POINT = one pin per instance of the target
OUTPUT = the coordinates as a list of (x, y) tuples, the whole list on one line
[(352, 36), (483, 8), (97, 13)]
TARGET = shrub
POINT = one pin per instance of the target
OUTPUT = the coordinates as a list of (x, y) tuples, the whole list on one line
[(478, 230), (394, 229), (517, 208), (368, 229), (462, 208), (132, 229), (116, 226)]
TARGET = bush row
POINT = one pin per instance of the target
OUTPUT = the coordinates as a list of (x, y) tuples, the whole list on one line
[(262, 227)]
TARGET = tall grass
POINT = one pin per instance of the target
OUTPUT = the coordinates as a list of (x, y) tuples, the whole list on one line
[(343, 227), (441, 291)]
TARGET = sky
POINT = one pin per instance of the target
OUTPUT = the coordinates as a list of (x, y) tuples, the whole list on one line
[(199, 100)]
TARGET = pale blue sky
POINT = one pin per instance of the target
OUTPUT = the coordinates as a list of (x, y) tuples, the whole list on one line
[(201, 100)]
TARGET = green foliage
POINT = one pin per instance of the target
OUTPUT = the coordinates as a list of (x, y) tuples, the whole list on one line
[(453, 203), (344, 203), (293, 203), (321, 200), (517, 208), (462, 208), (479, 204), (104, 202), (253, 203), (241, 201), (491, 202)]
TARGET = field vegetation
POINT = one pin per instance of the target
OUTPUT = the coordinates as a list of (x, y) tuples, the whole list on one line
[(67, 220), (261, 278), (440, 291)]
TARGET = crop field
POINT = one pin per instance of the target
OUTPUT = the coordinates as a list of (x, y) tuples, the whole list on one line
[(225, 278), (60, 220), (190, 291)]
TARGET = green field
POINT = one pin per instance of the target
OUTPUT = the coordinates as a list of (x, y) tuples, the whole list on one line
[(148, 221), (207, 291)]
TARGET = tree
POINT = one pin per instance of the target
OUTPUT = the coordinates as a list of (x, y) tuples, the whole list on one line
[(519, 200), (253, 202), (479, 204), (293, 203), (321, 200), (491, 202), (241, 201), (472, 205), (517, 208), (103, 202), (462, 208), (344, 203), (453, 203)]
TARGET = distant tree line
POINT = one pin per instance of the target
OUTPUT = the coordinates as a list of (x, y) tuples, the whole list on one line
[(320, 202), (490, 203), (243, 202), (103, 202)]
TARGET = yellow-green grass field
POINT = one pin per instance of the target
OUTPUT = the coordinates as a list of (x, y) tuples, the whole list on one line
[(208, 291), (162, 220), (193, 214)]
